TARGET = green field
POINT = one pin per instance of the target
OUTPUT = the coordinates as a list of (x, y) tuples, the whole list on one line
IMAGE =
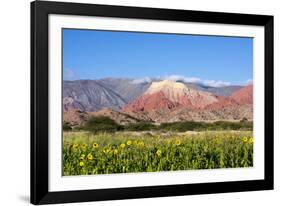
[(87, 153)]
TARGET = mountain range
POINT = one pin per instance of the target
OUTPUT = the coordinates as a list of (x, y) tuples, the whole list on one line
[(127, 101)]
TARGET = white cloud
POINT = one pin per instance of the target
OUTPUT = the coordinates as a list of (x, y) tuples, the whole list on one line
[(214, 83), (183, 78), (141, 80), (205, 82), (69, 74)]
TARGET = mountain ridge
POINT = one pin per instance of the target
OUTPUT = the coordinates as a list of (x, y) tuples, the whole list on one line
[(167, 97), (116, 92), (156, 101)]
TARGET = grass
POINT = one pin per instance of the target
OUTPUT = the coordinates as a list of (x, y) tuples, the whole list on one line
[(85, 153)]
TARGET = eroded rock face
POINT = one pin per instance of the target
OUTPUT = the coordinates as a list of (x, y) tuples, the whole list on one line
[(244, 95), (169, 101), (88, 95), (168, 94), (149, 102)]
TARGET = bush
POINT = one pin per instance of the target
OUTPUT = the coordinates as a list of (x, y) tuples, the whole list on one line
[(244, 119), (140, 126), (66, 126), (182, 126), (101, 124)]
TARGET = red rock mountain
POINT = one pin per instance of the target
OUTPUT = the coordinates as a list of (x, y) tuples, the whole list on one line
[(148, 102), (244, 95), (169, 101), (168, 94)]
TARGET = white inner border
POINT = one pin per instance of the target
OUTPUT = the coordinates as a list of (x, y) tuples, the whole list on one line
[(57, 182)]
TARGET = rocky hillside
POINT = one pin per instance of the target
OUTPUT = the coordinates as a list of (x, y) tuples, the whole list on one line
[(119, 117), (115, 93), (158, 101), (168, 94), (169, 101), (244, 95), (76, 117), (88, 95)]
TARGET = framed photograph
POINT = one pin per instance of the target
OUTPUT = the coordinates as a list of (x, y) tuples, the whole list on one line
[(131, 102)]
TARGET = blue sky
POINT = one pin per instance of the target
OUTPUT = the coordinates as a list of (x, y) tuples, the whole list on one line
[(90, 54)]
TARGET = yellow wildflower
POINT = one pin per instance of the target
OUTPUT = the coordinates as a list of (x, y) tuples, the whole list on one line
[(81, 164), (90, 156), (82, 156), (75, 146), (129, 142), (251, 140), (158, 152), (178, 142), (122, 145), (95, 145), (84, 147), (245, 139), (106, 151), (116, 151), (141, 144)]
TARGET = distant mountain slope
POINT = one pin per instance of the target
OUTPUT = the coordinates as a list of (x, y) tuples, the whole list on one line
[(221, 91), (244, 95), (125, 87), (115, 93), (88, 95)]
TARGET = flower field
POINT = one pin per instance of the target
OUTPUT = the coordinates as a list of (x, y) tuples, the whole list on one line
[(85, 153)]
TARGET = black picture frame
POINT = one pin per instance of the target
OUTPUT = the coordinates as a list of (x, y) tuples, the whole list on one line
[(39, 102)]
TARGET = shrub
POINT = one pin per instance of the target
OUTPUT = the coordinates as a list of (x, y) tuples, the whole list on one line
[(66, 126), (182, 126), (140, 126), (101, 124), (244, 119)]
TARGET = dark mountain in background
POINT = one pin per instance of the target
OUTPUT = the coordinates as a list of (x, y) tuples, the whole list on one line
[(124, 87), (222, 91), (90, 95)]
